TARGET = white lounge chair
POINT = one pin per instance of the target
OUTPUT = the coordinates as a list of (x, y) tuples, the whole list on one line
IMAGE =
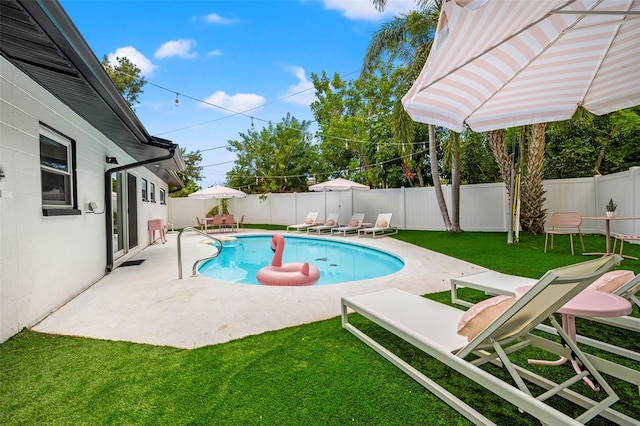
[(308, 222), (432, 327), (618, 282), (327, 226), (381, 227), (352, 227)]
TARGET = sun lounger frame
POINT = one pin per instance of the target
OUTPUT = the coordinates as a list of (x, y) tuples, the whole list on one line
[(412, 318), (496, 283)]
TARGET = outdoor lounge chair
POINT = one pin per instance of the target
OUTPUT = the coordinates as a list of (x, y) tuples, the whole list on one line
[(308, 222), (327, 226), (432, 327), (618, 282), (381, 227), (352, 227)]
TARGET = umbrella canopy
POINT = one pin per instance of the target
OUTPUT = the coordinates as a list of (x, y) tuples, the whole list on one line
[(498, 64), (338, 184), (217, 191)]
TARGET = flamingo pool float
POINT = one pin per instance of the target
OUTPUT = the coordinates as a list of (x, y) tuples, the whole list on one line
[(289, 274)]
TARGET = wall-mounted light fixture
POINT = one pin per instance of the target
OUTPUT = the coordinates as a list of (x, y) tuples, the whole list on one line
[(92, 207), (112, 160)]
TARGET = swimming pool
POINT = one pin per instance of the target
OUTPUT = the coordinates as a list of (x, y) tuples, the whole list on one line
[(338, 262)]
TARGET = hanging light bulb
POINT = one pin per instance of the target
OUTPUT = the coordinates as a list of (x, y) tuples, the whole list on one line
[(252, 122), (177, 101)]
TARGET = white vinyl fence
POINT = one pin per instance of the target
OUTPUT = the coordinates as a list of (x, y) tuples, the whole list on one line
[(483, 207)]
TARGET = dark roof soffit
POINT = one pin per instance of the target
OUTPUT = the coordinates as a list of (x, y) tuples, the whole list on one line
[(40, 39)]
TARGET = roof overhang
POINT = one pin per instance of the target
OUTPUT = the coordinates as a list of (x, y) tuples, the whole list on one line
[(41, 40)]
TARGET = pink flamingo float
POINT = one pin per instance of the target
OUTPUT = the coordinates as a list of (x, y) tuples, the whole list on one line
[(289, 274)]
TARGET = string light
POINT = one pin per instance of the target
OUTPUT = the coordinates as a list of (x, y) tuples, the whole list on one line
[(177, 100)]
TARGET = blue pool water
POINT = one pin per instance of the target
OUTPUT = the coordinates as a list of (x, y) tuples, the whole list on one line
[(337, 261)]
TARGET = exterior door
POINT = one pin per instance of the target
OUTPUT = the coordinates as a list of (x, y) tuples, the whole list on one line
[(132, 217)]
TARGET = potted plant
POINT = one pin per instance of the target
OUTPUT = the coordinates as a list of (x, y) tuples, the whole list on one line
[(611, 208)]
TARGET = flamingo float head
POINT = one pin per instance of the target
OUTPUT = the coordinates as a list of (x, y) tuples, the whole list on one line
[(277, 245)]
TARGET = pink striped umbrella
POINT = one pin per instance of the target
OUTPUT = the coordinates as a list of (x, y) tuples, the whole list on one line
[(497, 64)]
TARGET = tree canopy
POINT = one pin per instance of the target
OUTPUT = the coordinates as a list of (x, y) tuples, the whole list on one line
[(277, 158), (127, 78)]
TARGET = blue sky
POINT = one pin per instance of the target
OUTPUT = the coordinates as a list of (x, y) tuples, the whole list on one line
[(228, 61)]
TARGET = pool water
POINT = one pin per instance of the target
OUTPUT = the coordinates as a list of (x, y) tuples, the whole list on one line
[(338, 262)]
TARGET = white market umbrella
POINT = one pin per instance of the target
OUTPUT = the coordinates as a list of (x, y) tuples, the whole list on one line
[(498, 64), (338, 184), (217, 191)]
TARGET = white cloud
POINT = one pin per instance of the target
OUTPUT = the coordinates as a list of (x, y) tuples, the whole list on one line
[(365, 10), (239, 102), (130, 52), (180, 48), (214, 18), (303, 92), (214, 53)]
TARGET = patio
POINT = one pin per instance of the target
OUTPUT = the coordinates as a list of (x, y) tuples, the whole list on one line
[(147, 303)]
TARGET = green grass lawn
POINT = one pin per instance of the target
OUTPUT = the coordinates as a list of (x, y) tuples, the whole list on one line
[(314, 374)]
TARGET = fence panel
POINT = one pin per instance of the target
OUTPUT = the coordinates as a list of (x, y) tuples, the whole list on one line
[(483, 207)]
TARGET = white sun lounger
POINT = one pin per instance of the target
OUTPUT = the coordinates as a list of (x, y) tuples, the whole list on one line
[(431, 327), (327, 226), (308, 222), (350, 228), (496, 283), (380, 228)]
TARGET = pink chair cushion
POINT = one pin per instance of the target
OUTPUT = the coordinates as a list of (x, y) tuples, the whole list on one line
[(330, 222), (611, 281), (382, 224), (308, 221), (353, 222), (480, 315)]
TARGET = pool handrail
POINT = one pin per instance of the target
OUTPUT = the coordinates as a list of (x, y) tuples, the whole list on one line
[(197, 262)]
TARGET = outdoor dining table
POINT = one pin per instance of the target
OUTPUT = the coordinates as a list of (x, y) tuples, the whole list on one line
[(587, 303), (607, 220)]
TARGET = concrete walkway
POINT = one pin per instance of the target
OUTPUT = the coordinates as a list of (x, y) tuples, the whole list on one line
[(147, 303)]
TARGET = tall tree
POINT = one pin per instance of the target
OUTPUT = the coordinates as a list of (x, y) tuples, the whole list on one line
[(127, 77), (408, 38), (277, 158), (354, 121), (191, 175)]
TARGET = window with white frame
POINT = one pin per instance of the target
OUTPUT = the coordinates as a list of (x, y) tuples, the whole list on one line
[(145, 190), (57, 171), (152, 192), (163, 196)]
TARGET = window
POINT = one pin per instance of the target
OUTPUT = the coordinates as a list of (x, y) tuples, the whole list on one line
[(145, 190), (58, 174), (163, 196), (152, 192)]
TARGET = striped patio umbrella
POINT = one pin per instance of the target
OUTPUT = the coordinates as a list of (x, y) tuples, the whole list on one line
[(498, 64)]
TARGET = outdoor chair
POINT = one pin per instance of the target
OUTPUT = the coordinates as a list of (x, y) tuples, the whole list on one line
[(327, 226), (622, 239), (308, 222), (433, 328), (564, 223), (352, 227), (380, 228), (619, 282), (201, 223)]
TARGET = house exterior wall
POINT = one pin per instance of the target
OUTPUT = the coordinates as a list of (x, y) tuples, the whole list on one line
[(46, 260)]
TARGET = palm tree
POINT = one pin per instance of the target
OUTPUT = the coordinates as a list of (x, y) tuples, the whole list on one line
[(409, 38)]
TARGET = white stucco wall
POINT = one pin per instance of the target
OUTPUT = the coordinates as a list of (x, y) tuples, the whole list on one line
[(45, 261)]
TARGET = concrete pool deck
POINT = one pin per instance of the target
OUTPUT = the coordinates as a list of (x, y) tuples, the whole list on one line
[(148, 303)]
